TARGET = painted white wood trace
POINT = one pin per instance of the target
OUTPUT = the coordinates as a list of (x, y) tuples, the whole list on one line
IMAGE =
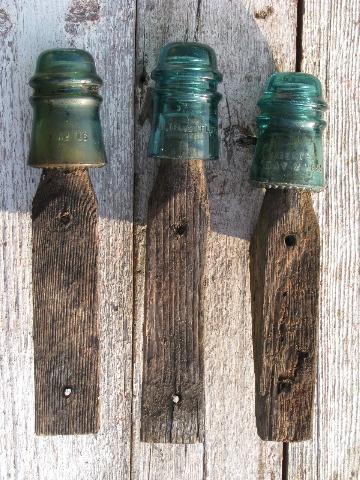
[(252, 38)]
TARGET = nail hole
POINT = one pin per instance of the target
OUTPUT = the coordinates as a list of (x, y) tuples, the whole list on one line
[(284, 385), (175, 398), (284, 294), (65, 217), (67, 392), (181, 229), (290, 240)]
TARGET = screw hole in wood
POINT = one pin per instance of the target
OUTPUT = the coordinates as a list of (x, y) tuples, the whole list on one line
[(176, 399), (67, 392), (181, 229), (284, 385), (290, 240), (65, 218)]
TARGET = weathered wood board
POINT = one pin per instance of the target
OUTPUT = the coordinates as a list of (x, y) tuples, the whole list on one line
[(65, 250), (173, 396), (331, 50), (248, 49), (26, 29), (284, 282), (251, 38)]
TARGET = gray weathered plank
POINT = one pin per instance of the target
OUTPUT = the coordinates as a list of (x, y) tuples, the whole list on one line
[(106, 29), (331, 46), (251, 39)]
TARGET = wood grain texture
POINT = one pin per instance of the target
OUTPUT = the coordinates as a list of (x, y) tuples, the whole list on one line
[(173, 406), (66, 330), (284, 271), (36, 26), (331, 50), (252, 38), (248, 49)]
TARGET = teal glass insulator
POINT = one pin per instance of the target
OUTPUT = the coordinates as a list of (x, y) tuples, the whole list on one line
[(185, 100), (66, 126), (289, 146)]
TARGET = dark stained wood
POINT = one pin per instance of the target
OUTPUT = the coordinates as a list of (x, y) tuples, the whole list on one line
[(65, 252), (173, 375), (284, 266)]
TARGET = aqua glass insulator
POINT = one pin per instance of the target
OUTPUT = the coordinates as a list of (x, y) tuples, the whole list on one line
[(289, 146), (185, 100), (66, 126)]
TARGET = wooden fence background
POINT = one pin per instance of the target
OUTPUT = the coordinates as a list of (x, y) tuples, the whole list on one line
[(252, 38)]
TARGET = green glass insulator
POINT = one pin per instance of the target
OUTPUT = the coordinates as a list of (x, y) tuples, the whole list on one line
[(66, 126), (289, 146), (185, 119)]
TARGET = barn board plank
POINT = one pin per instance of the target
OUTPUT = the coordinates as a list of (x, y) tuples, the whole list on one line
[(173, 401), (284, 273), (251, 39), (65, 250), (106, 29), (331, 46)]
